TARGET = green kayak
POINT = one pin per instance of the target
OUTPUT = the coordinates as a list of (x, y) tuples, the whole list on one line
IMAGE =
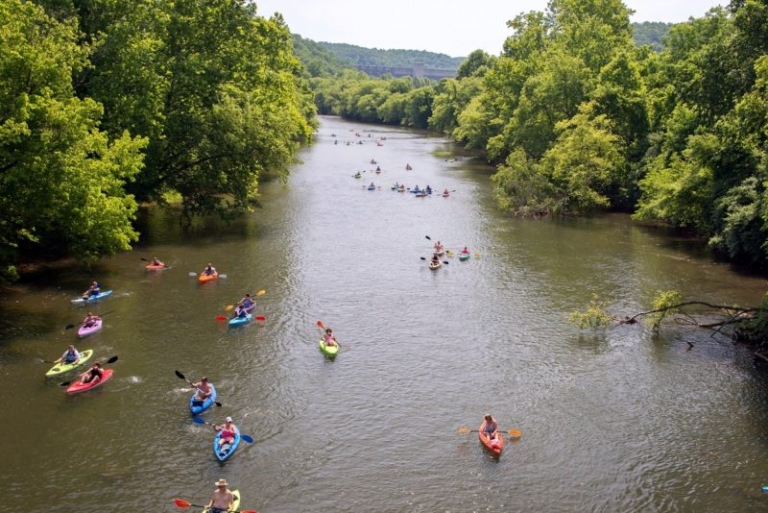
[(329, 351), (236, 494), (61, 368)]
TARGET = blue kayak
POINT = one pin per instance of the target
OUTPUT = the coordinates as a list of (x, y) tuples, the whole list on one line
[(94, 298), (197, 408), (240, 321), (225, 451)]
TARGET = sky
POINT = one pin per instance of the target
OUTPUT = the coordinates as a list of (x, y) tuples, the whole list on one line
[(453, 27)]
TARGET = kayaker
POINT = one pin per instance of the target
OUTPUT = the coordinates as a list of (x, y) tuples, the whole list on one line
[(241, 313), (439, 247), (95, 373), (70, 356), (204, 391), (93, 290), (329, 339), (428, 189), (90, 319), (446, 192), (228, 432), (490, 427), (209, 270), (156, 261), (246, 302), (435, 260), (222, 499), (465, 251)]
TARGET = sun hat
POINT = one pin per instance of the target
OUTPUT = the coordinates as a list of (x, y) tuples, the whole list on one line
[(228, 419)]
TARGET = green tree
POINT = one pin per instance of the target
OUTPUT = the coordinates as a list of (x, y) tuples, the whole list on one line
[(61, 178)]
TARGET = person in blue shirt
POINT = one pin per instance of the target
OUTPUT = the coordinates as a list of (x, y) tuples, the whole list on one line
[(93, 290)]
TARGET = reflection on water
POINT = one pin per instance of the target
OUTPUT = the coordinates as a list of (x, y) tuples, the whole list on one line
[(611, 421)]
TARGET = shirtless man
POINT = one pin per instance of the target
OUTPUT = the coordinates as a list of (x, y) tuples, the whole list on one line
[(203, 391), (222, 499)]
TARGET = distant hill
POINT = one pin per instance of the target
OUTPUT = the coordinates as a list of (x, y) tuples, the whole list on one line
[(359, 56), (650, 33), (322, 59)]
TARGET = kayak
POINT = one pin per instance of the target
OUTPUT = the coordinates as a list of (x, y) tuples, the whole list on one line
[(156, 267), (494, 446), (77, 387), (371, 188), (92, 299), (440, 253), (464, 256), (422, 195), (435, 266), (197, 409), (236, 502), (207, 277), (401, 189), (358, 175), (61, 368), (84, 331), (329, 351), (224, 452), (445, 194), (240, 321)]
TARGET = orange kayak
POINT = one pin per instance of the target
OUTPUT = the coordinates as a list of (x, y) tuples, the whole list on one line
[(495, 446), (155, 267), (207, 277)]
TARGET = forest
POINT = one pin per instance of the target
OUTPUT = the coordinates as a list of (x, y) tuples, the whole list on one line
[(109, 105)]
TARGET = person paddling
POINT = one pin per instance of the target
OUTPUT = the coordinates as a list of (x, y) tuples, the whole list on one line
[(329, 339), (228, 432), (70, 356), (204, 391), (90, 320), (95, 373), (490, 427), (209, 270), (93, 290), (223, 499)]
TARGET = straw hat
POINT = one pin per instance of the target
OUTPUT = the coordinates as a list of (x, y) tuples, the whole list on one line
[(221, 482)]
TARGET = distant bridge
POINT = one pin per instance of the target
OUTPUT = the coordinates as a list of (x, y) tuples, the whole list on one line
[(417, 71)]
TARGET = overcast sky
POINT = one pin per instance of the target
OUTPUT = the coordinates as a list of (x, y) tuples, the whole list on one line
[(453, 27)]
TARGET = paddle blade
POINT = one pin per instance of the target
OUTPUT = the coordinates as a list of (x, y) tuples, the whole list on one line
[(180, 503), (69, 326), (112, 360), (320, 325), (222, 275), (515, 434), (65, 383), (198, 420), (246, 439), (180, 375), (463, 431), (192, 274), (428, 237), (260, 318), (477, 254), (217, 403), (261, 292), (221, 318), (423, 258), (446, 262), (228, 308)]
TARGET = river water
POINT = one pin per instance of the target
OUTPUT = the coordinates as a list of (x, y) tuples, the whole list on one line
[(618, 420)]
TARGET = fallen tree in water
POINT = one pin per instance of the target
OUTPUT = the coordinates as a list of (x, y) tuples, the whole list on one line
[(746, 325)]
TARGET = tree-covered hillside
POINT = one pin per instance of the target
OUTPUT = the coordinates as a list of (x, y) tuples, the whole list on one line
[(359, 56), (318, 60), (650, 33)]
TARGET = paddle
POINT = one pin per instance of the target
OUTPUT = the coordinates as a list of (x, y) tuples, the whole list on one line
[(70, 326), (244, 438), (180, 375), (259, 293), (259, 318), (514, 433), (444, 261), (320, 325), (67, 383), (219, 276), (428, 237), (181, 503)]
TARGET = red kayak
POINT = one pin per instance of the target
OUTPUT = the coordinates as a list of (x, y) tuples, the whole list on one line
[(77, 387), (156, 267), (495, 446)]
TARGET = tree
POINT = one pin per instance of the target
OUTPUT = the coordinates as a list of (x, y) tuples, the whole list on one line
[(61, 178)]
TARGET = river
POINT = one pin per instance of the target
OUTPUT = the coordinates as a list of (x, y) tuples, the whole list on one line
[(615, 420)]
